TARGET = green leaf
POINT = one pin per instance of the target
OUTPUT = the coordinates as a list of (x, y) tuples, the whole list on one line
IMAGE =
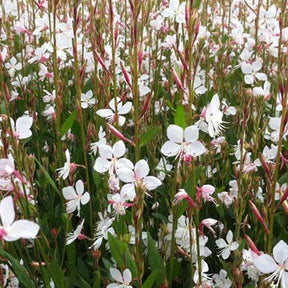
[(151, 279), (179, 117), (68, 123), (155, 260), (149, 135), (18, 269), (131, 263), (48, 178), (116, 248), (57, 273)]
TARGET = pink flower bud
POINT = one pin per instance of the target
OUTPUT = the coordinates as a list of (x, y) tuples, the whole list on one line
[(251, 244), (177, 80), (119, 134), (258, 216), (126, 75)]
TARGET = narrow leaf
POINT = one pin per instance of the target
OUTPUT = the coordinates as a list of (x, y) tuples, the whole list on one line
[(151, 279), (149, 135), (68, 123), (19, 270), (116, 250), (155, 260), (179, 117), (48, 178)]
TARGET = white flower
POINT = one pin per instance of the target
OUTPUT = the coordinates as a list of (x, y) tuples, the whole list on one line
[(182, 143), (277, 265), (87, 100), (75, 198), (65, 170), (226, 247), (110, 115), (175, 10), (137, 178), (102, 230), (11, 231), (221, 281), (251, 71), (102, 140), (123, 280), (163, 168), (71, 237), (22, 128), (110, 158), (211, 121)]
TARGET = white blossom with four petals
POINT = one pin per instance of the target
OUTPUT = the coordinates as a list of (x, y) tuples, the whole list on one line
[(75, 197), (182, 143)]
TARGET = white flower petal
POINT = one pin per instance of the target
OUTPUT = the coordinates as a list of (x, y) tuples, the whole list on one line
[(128, 192), (23, 229), (85, 198), (125, 108), (101, 165), (125, 174), (265, 264), (119, 149), (127, 276), (152, 182), (191, 133), (141, 169), (105, 151), (175, 133), (7, 211), (116, 275), (69, 193), (280, 252), (105, 113), (79, 187), (170, 149), (196, 149)]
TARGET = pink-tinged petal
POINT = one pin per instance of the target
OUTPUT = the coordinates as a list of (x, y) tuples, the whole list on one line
[(116, 275), (112, 285), (221, 243), (280, 252), (152, 182), (101, 165), (128, 192), (23, 229), (105, 151), (123, 162), (196, 149), (127, 276), (125, 174), (170, 149), (69, 193), (7, 211), (141, 169), (119, 149), (191, 134), (6, 167), (125, 108), (23, 125), (85, 198), (175, 133), (79, 187), (265, 264), (105, 113)]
